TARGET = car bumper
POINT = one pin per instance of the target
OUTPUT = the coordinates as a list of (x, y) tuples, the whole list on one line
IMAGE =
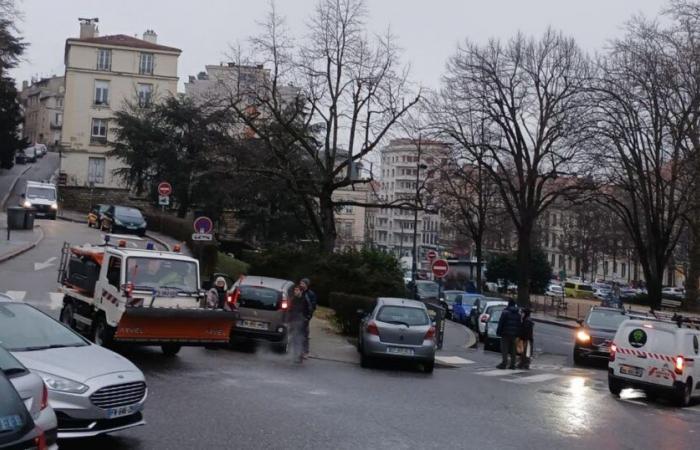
[(257, 335), (591, 352), (663, 389), (375, 348), (74, 428)]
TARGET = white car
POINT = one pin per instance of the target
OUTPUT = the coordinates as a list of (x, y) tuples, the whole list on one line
[(486, 307), (658, 357), (673, 292), (554, 290)]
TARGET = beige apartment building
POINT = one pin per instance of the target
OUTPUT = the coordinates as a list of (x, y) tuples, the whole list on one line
[(103, 74), (42, 101)]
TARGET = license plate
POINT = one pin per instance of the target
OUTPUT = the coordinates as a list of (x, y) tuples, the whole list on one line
[(604, 348), (122, 411), (131, 227), (253, 324), (631, 370), (400, 351)]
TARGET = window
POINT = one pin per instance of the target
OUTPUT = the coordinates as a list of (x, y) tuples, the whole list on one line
[(146, 64), (114, 271), (101, 92), (58, 119), (561, 261), (104, 59), (145, 92), (99, 130), (623, 270), (96, 170)]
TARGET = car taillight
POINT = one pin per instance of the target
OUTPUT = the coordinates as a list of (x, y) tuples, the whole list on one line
[(430, 334), (40, 441), (232, 298), (44, 397), (372, 329), (284, 304), (484, 318), (679, 365), (613, 350)]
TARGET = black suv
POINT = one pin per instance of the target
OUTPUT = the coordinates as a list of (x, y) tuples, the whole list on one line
[(595, 334)]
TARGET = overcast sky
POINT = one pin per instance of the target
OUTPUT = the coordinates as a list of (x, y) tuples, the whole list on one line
[(427, 30)]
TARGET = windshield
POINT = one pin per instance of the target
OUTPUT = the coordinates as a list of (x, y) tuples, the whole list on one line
[(259, 297), (605, 319), (130, 213), (155, 273), (24, 328), (403, 315), (41, 192), (427, 287), (451, 296)]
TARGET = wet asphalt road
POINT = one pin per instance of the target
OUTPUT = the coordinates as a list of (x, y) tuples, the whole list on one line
[(260, 400)]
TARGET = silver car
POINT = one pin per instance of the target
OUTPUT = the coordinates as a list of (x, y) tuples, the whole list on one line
[(33, 393), (92, 390), (398, 328)]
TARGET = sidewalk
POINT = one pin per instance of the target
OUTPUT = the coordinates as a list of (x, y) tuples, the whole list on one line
[(8, 179), (326, 343), (20, 240)]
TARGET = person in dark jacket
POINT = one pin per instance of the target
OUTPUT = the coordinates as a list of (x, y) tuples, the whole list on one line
[(527, 337), (310, 296), (300, 312), (509, 328)]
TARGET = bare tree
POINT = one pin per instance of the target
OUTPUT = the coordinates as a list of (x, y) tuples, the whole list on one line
[(529, 97), (648, 109), (328, 103)]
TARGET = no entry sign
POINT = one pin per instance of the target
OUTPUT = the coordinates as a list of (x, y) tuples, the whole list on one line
[(164, 188), (432, 254), (440, 268)]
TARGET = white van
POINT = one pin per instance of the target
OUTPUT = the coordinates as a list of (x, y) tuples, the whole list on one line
[(42, 197), (659, 357)]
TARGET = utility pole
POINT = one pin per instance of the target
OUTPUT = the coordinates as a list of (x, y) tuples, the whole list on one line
[(419, 166)]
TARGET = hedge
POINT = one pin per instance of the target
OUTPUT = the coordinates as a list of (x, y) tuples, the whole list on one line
[(231, 266), (346, 306)]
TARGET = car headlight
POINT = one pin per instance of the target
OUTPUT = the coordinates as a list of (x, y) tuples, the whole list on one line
[(27, 204), (60, 384), (54, 205), (582, 336)]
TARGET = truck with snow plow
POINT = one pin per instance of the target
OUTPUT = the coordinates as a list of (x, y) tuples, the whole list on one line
[(129, 296)]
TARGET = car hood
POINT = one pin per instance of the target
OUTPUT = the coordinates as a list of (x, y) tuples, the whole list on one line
[(602, 332), (76, 363)]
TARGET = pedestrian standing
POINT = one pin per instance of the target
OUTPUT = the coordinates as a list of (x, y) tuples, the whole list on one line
[(527, 338), (310, 296), (509, 329), (300, 312), (216, 296)]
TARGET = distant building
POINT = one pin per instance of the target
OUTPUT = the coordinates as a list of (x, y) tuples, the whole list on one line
[(43, 110), (102, 74), (225, 81)]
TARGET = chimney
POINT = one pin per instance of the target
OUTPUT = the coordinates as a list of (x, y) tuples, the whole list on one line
[(25, 84), (150, 36), (88, 28)]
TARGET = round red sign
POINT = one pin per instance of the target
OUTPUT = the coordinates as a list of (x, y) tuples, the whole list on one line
[(440, 268), (432, 254), (164, 188)]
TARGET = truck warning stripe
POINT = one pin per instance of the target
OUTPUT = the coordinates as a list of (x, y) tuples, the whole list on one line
[(109, 297), (643, 354)]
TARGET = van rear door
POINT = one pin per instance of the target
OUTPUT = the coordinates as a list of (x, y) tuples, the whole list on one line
[(645, 353)]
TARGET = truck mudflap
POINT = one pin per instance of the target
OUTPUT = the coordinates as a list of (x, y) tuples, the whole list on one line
[(181, 326)]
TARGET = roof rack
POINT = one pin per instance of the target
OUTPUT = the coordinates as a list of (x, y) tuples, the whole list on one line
[(678, 319)]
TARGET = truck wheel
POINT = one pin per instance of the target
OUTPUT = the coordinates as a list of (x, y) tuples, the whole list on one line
[(684, 393), (103, 334), (67, 316), (614, 386), (170, 349)]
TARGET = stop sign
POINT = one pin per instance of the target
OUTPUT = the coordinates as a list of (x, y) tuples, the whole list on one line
[(432, 254), (440, 268), (164, 188)]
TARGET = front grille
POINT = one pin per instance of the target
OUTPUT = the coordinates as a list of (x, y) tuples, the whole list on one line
[(600, 341), (119, 395)]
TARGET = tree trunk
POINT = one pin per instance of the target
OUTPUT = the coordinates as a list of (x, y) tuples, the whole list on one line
[(653, 273), (327, 215), (479, 281), (693, 273), (524, 261)]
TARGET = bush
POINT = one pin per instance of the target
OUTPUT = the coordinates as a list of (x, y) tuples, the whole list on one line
[(505, 267), (230, 266), (346, 306), (365, 272)]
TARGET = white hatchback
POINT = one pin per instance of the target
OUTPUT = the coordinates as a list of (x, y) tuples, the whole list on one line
[(661, 358)]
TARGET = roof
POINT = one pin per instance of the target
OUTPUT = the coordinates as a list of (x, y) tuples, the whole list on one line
[(393, 301), (268, 282), (122, 40), (149, 254), (39, 183)]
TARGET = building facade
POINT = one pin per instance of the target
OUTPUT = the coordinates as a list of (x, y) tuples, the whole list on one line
[(43, 110), (103, 74)]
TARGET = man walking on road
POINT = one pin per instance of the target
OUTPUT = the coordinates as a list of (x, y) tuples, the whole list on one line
[(509, 329), (299, 314), (310, 297)]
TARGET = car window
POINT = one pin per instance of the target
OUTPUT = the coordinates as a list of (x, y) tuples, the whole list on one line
[(427, 287), (24, 328), (258, 297), (605, 319), (113, 273), (470, 301), (131, 213), (496, 315), (403, 314), (584, 287), (41, 192), (451, 297)]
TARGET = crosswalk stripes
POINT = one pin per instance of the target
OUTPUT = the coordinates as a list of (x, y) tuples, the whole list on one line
[(539, 378), (453, 360), (498, 372)]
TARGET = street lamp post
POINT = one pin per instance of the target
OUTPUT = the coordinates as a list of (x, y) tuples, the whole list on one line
[(419, 166)]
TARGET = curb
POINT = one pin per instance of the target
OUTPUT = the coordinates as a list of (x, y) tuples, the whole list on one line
[(12, 188), (24, 249), (571, 326)]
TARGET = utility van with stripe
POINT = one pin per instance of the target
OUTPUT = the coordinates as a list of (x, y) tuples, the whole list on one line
[(660, 357)]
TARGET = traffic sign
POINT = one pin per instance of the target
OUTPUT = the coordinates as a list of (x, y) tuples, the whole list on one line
[(201, 237), (440, 268), (432, 254), (164, 188), (203, 225), (163, 200)]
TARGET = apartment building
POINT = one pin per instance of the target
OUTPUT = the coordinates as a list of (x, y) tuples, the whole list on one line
[(42, 101), (103, 74)]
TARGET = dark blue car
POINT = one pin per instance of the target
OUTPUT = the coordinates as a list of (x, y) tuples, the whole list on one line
[(462, 307)]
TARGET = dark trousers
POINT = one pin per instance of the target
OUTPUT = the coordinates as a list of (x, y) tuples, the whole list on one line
[(526, 354), (508, 348), (306, 335)]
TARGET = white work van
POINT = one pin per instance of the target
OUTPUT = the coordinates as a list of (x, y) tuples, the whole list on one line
[(660, 357)]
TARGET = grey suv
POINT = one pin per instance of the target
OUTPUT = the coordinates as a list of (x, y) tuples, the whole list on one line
[(263, 305)]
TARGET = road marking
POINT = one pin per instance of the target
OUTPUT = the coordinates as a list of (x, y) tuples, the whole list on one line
[(533, 378), (45, 264), (498, 372), (17, 295), (453, 360)]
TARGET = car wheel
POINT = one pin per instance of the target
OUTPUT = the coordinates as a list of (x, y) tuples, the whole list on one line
[(67, 316), (614, 386), (428, 367), (283, 347), (482, 337), (651, 395), (579, 359), (365, 360), (170, 349), (684, 394), (103, 334)]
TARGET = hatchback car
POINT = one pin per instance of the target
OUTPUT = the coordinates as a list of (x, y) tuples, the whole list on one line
[(123, 219), (461, 310), (92, 390), (488, 307), (427, 290), (20, 157), (398, 328), (33, 392), (17, 428), (492, 341), (263, 305), (595, 333), (94, 218)]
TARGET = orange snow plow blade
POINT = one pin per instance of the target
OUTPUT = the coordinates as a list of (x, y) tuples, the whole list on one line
[(184, 326)]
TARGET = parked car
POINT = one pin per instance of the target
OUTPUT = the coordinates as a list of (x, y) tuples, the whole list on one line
[(92, 390), (33, 392), (399, 329), (427, 290), (488, 308), (94, 218), (262, 304), (602, 293), (477, 310), (17, 428), (492, 341), (40, 150), (461, 310), (595, 333), (554, 290), (448, 301), (673, 292), (20, 157), (578, 289), (42, 197), (123, 219)]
